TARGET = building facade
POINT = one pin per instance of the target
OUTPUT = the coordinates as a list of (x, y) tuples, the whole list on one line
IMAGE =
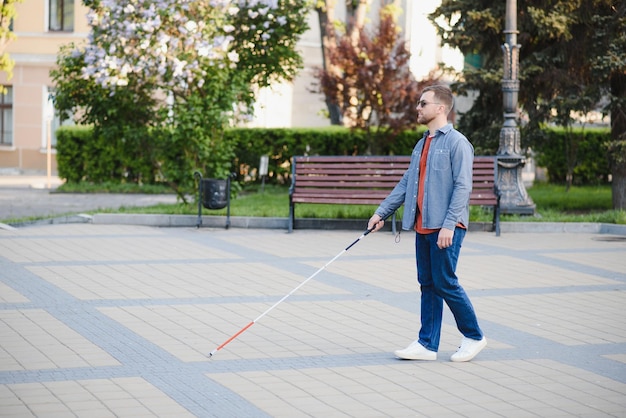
[(28, 122), (294, 104)]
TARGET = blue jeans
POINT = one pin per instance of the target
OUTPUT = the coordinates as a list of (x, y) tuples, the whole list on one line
[(438, 282)]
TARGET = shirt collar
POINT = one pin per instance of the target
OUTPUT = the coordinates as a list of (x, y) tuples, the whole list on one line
[(444, 130)]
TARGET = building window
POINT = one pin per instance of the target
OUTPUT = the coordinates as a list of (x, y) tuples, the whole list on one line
[(61, 15), (6, 116)]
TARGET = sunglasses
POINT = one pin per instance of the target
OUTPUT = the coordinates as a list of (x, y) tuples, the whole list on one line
[(423, 103)]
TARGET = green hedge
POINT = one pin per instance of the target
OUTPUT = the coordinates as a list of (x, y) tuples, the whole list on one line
[(280, 145), (587, 150), (72, 155), (81, 157)]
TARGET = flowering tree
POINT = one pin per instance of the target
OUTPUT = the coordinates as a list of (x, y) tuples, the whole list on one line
[(7, 13), (181, 66)]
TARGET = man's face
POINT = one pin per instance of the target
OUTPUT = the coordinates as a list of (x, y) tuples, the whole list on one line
[(427, 108)]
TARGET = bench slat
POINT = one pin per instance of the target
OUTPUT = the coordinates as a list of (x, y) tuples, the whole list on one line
[(337, 200), (336, 195), (351, 159), (346, 185)]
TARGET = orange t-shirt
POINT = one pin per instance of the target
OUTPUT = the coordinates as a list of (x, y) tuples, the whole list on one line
[(420, 191)]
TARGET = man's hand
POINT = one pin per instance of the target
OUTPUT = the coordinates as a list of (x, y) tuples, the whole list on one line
[(444, 240), (375, 223)]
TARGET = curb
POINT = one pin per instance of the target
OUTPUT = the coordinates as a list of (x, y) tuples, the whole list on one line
[(245, 222), (71, 219), (342, 224), (564, 227)]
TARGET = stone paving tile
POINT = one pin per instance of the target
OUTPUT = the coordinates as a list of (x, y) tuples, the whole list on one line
[(117, 321), (8, 295), (171, 281), (33, 339), (103, 248), (108, 397), (298, 329), (607, 260), (566, 318), (472, 391), (78, 230)]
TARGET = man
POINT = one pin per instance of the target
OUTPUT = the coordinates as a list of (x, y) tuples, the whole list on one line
[(435, 191)]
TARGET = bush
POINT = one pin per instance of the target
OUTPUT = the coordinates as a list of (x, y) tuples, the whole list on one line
[(282, 144), (72, 153), (81, 157), (588, 150)]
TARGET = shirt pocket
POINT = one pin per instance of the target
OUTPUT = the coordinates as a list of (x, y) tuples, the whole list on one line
[(441, 159)]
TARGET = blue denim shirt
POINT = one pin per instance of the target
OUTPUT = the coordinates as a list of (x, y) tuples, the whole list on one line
[(448, 183)]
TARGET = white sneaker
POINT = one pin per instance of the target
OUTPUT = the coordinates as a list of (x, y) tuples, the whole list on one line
[(469, 349), (416, 351)]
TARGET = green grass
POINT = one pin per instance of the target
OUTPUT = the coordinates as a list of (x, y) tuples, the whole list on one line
[(579, 204), (577, 199), (86, 187), (554, 204)]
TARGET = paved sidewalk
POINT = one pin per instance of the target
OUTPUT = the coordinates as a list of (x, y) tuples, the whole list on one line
[(117, 320), (33, 196)]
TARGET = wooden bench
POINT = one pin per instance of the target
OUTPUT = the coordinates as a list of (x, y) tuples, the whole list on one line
[(367, 180), (484, 188)]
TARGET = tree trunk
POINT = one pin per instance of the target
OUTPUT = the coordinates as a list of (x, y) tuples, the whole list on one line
[(355, 16), (618, 187), (617, 152), (325, 16)]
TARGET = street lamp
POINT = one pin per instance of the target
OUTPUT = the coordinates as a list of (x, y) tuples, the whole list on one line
[(513, 196)]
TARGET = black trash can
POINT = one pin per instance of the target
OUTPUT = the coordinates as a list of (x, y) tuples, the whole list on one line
[(213, 194)]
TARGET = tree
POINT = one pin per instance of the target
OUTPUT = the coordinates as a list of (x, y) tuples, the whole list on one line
[(371, 83), (572, 57), (329, 30), (609, 66), (7, 13), (160, 78)]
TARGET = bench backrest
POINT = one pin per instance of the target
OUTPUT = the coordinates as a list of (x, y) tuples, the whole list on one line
[(350, 172), (484, 181), (346, 179)]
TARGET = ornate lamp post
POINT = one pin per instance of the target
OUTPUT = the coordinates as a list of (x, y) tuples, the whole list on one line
[(514, 198)]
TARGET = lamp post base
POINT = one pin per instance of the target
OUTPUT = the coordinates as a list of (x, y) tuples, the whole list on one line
[(513, 196)]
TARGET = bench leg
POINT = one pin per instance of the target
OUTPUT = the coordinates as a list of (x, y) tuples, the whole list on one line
[(199, 221), (496, 219), (291, 216), (228, 204)]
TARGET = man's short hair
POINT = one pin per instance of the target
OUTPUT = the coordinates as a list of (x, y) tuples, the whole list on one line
[(443, 95)]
